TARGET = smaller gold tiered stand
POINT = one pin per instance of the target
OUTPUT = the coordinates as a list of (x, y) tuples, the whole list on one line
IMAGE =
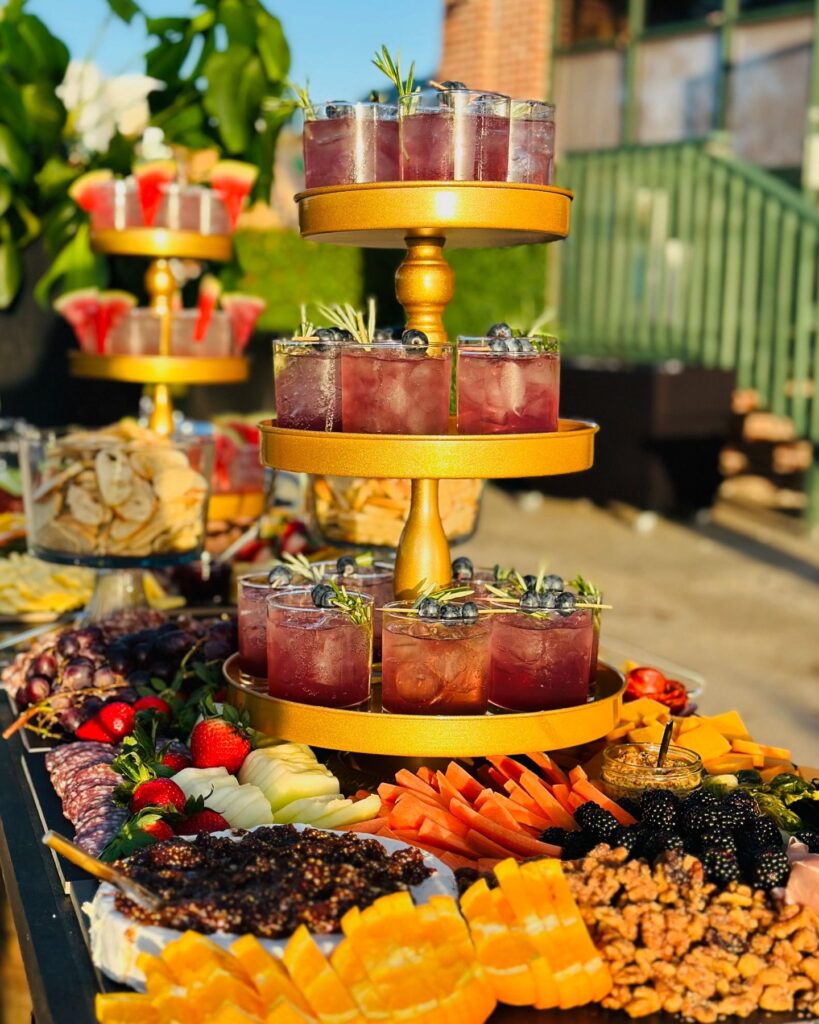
[(422, 217), (163, 370)]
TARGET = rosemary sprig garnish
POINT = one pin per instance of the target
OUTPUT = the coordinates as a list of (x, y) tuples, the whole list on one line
[(586, 588), (306, 328), (288, 105), (299, 566), (351, 604), (391, 68), (347, 318), (444, 595)]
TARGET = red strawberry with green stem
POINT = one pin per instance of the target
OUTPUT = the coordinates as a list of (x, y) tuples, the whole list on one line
[(202, 821), (118, 718), (158, 793), (221, 740)]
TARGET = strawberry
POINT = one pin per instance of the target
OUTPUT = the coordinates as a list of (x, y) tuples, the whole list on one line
[(95, 731), (217, 743), (202, 821), (118, 718), (157, 793), (157, 704), (159, 829), (175, 761)]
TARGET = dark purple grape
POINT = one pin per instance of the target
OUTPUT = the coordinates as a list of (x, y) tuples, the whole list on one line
[(161, 670), (44, 664), (78, 674), (68, 645), (105, 678), (139, 678), (119, 658), (37, 689), (173, 645), (91, 706), (97, 652), (126, 693), (216, 649), (167, 627), (71, 720), (89, 635), (145, 636), (142, 653)]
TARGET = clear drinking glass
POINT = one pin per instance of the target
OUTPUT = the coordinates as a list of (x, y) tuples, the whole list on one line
[(192, 208), (377, 581), (136, 334), (426, 139), (531, 142), (508, 388), (307, 381), (252, 594), (218, 339), (480, 134), (389, 388), (540, 660), (433, 666), (116, 206), (345, 143), (318, 655)]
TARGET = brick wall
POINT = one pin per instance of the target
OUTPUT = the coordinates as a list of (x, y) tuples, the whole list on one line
[(500, 45)]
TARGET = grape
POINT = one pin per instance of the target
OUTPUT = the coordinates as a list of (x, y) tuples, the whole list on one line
[(71, 720), (68, 645), (216, 649), (44, 664), (162, 670), (173, 645), (91, 706), (126, 693), (97, 652), (119, 658), (139, 678), (142, 652), (167, 627), (78, 674), (88, 636), (105, 678), (37, 689)]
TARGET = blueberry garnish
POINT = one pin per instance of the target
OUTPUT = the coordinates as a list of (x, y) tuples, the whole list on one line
[(453, 86), (326, 336), (384, 335), (344, 335), (498, 346), (553, 582), (525, 345), (322, 595), (429, 608), (469, 611), (414, 339), (566, 603), (548, 598), (338, 109), (529, 600), (450, 612), (513, 345), (499, 331), (346, 566), (530, 582), (279, 576), (462, 569)]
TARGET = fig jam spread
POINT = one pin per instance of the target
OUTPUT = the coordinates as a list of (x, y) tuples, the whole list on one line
[(268, 882)]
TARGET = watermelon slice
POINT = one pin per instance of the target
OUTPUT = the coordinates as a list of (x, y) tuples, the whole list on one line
[(80, 309), (243, 312), (232, 181), (209, 291), (84, 190), (113, 307), (150, 177)]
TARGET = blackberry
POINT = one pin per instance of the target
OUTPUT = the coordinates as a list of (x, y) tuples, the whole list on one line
[(721, 867), (598, 822), (770, 868), (660, 810), (810, 839), (631, 838), (718, 839), (555, 836), (700, 818), (742, 805), (577, 845), (700, 798), (631, 807), (732, 817), (661, 842), (764, 833)]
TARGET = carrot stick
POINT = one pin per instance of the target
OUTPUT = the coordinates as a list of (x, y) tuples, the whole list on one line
[(585, 789), (544, 799), (519, 843), (409, 781), (552, 772)]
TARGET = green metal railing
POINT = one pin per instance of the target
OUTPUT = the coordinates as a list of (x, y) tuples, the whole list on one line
[(683, 251)]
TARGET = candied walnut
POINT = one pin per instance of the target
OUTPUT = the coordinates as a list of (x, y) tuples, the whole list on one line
[(750, 965), (645, 1001), (761, 944), (773, 976), (810, 966), (805, 940), (776, 999)]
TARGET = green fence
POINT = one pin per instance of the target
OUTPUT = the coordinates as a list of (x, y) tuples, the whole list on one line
[(683, 251)]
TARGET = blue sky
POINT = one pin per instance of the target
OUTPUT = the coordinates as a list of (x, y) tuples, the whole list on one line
[(331, 41)]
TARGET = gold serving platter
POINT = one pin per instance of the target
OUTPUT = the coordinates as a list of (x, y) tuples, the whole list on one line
[(466, 214), (371, 731), (160, 242), (430, 456), (160, 369)]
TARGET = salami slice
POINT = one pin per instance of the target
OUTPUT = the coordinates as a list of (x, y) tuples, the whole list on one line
[(77, 799)]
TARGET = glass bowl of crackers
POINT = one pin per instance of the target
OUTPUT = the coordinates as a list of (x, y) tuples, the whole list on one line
[(119, 497)]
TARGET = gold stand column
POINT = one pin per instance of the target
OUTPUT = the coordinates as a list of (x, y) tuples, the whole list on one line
[(422, 557), (163, 289), (424, 285)]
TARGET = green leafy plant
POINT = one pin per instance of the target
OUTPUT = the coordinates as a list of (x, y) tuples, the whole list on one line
[(391, 67)]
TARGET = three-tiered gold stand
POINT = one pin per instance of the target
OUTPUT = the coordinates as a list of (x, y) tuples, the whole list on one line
[(163, 370), (423, 217)]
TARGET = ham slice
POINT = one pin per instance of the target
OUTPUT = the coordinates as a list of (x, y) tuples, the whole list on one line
[(803, 881)]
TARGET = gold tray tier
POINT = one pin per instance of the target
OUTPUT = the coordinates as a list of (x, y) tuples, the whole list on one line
[(371, 731), (160, 369), (449, 456), (161, 243), (465, 214)]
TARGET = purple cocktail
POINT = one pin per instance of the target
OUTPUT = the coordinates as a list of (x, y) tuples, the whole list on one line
[(480, 131), (540, 659), (307, 383), (376, 580), (507, 385), (434, 665), (531, 142), (252, 595), (426, 141), (395, 388), (318, 655), (346, 143)]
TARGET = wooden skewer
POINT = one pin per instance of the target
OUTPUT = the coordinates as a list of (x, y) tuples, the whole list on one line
[(99, 869)]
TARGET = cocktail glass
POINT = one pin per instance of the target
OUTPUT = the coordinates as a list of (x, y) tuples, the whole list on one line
[(318, 655), (345, 143), (192, 208), (307, 383), (531, 142), (218, 339), (116, 206), (390, 388), (252, 593), (433, 666), (136, 334), (377, 581), (480, 134), (426, 139), (540, 660), (507, 392)]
